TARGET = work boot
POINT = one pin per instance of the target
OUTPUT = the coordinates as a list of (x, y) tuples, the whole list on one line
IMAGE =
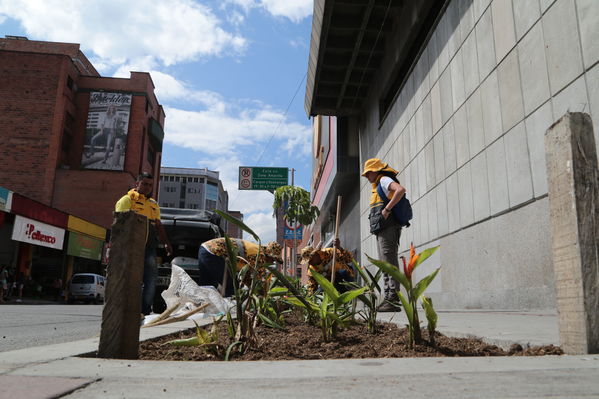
[(390, 305)]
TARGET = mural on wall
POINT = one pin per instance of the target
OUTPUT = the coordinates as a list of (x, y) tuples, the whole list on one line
[(106, 131)]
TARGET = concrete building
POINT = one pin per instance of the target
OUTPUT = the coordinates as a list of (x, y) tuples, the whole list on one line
[(190, 188), (457, 96)]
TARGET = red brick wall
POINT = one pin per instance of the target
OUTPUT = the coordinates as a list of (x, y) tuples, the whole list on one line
[(34, 102), (30, 95)]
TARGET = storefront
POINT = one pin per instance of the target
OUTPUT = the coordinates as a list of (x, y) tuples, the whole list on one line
[(7, 247), (84, 248)]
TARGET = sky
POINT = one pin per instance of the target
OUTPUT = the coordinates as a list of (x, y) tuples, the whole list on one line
[(230, 74)]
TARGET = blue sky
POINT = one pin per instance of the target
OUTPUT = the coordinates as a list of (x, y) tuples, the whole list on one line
[(225, 71)]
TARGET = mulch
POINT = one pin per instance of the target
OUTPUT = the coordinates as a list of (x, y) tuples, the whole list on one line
[(302, 341)]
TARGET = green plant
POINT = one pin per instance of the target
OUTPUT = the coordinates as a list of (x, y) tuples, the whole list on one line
[(369, 297), (250, 302), (208, 340), (296, 204), (414, 291), (431, 317), (331, 307)]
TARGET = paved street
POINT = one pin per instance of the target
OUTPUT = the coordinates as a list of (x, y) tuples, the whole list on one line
[(25, 326)]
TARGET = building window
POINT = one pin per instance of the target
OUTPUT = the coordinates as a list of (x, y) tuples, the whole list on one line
[(177, 178), (202, 180), (195, 179), (70, 82), (171, 178)]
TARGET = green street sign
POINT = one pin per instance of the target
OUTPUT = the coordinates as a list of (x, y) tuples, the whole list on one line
[(262, 178)]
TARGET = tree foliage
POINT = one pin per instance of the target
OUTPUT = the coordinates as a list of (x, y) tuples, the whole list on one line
[(299, 208)]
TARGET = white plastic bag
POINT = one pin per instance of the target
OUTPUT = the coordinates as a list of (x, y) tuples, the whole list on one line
[(184, 290)]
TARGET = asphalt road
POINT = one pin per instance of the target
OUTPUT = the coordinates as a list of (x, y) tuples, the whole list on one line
[(26, 326)]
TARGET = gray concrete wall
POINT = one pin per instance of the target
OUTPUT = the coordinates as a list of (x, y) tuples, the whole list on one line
[(466, 132)]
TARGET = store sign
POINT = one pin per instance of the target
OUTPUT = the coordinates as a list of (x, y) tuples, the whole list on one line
[(84, 246), (5, 199), (37, 233)]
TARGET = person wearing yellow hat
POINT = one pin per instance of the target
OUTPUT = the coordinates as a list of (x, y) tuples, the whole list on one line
[(383, 225), (320, 260), (212, 255)]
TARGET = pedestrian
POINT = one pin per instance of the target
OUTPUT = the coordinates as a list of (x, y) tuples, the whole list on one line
[(19, 284), (139, 201), (212, 255), (3, 282), (383, 225), (321, 261)]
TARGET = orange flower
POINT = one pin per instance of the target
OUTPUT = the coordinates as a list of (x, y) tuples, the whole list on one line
[(405, 268), (410, 266)]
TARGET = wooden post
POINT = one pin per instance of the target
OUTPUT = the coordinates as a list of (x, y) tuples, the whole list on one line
[(119, 337), (337, 217), (574, 211)]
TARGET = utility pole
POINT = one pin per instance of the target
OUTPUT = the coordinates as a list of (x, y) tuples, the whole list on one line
[(293, 224)]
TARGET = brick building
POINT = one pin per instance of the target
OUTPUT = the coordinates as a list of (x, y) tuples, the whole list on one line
[(71, 143), (45, 91)]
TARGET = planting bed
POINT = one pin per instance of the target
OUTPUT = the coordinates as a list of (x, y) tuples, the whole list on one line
[(302, 341)]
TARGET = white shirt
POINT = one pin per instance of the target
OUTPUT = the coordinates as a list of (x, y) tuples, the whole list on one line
[(385, 183)]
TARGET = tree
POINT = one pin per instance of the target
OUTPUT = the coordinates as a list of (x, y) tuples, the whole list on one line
[(299, 209)]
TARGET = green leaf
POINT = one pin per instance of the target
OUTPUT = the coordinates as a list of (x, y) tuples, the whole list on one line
[(326, 285), (423, 284), (278, 291), (283, 279), (193, 341), (424, 255), (349, 295), (431, 315), (391, 270), (228, 353), (407, 308), (239, 224), (270, 323)]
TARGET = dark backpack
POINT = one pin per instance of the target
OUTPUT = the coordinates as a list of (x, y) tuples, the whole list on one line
[(402, 211)]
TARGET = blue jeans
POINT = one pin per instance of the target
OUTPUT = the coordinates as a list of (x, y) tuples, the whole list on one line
[(149, 280), (212, 268)]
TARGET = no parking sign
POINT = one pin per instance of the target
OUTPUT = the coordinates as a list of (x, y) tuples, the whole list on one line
[(289, 229)]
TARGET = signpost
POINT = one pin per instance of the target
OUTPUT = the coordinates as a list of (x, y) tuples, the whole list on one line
[(292, 231), (262, 178)]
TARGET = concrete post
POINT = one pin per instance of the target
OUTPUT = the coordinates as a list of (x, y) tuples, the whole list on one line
[(119, 336), (574, 210)]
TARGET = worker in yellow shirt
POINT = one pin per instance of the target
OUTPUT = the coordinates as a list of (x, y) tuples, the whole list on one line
[(321, 260), (212, 255), (139, 201)]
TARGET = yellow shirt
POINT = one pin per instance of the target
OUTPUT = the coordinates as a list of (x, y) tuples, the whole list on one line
[(217, 247), (138, 203)]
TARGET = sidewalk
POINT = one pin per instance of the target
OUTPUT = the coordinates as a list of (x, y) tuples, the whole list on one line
[(55, 371)]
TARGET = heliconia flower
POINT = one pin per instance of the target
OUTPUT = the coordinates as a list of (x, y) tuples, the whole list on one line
[(406, 271), (412, 250)]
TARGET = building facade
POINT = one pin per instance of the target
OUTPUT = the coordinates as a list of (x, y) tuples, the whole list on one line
[(72, 143), (457, 96), (190, 188)]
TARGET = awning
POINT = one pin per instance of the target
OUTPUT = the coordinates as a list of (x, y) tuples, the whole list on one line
[(81, 226)]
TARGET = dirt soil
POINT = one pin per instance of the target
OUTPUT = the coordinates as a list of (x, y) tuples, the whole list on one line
[(302, 341)]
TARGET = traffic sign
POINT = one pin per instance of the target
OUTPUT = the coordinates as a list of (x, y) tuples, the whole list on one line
[(290, 228), (262, 178)]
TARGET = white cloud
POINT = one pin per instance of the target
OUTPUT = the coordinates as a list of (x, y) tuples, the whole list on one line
[(120, 32), (262, 224), (295, 10), (224, 128)]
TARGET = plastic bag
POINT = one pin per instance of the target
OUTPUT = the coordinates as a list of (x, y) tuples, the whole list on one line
[(182, 289)]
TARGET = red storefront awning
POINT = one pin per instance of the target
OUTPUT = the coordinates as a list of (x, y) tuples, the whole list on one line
[(36, 210)]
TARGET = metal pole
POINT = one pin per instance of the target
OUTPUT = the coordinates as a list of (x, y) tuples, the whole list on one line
[(293, 224)]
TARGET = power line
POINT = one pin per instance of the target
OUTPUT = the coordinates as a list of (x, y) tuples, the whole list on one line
[(282, 119)]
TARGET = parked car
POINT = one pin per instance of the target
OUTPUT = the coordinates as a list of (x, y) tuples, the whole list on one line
[(87, 287), (186, 229)]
